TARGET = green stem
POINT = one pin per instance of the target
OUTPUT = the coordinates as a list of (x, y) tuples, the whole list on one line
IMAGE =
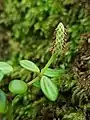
[(34, 80), (53, 57), (9, 113)]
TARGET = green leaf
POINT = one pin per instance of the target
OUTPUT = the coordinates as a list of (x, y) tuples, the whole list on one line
[(1, 75), (17, 87), (29, 65), (5, 68), (49, 88), (53, 73), (37, 84), (2, 102)]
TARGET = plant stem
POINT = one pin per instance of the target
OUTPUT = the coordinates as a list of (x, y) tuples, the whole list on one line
[(9, 113), (53, 57), (34, 80)]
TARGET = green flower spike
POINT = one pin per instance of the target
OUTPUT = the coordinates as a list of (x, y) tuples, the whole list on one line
[(60, 34)]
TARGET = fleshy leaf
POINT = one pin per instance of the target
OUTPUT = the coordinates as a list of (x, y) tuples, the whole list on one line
[(29, 65), (53, 73), (1, 75), (17, 87), (49, 88), (5, 68), (2, 102)]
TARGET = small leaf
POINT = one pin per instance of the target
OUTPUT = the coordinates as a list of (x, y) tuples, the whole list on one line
[(2, 102), (5, 68), (37, 84), (29, 65), (17, 87), (1, 75), (53, 73), (49, 88)]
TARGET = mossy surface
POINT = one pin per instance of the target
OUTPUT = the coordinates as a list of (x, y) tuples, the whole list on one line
[(26, 32)]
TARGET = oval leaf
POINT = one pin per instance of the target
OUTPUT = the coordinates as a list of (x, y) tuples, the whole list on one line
[(49, 88), (17, 87), (1, 75), (2, 102), (5, 68), (53, 72), (29, 65)]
